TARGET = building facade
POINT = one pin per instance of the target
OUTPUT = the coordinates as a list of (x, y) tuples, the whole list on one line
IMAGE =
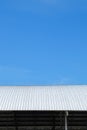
[(43, 107)]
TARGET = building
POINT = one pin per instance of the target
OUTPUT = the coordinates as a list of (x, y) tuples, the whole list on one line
[(43, 107)]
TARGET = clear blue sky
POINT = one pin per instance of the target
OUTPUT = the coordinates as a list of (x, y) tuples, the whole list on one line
[(43, 42)]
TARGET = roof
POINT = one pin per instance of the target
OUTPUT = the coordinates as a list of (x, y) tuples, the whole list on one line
[(43, 97)]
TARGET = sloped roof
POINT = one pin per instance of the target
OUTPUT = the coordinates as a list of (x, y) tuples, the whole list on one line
[(43, 97)]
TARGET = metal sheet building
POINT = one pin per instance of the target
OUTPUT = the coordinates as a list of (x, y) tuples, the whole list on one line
[(43, 107)]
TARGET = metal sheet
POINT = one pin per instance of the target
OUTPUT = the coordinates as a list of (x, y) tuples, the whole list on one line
[(43, 97)]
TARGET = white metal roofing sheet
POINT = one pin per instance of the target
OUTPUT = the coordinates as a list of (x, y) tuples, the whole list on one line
[(43, 97)]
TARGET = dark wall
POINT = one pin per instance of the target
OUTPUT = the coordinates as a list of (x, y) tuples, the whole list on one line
[(42, 120)]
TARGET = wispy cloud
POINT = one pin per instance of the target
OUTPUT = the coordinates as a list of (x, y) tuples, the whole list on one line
[(45, 5), (15, 76), (49, 2), (22, 76), (14, 69), (59, 4), (63, 81)]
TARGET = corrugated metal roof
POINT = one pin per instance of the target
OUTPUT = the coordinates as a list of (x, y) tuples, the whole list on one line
[(43, 98)]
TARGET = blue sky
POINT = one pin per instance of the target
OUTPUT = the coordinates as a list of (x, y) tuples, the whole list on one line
[(43, 42)]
